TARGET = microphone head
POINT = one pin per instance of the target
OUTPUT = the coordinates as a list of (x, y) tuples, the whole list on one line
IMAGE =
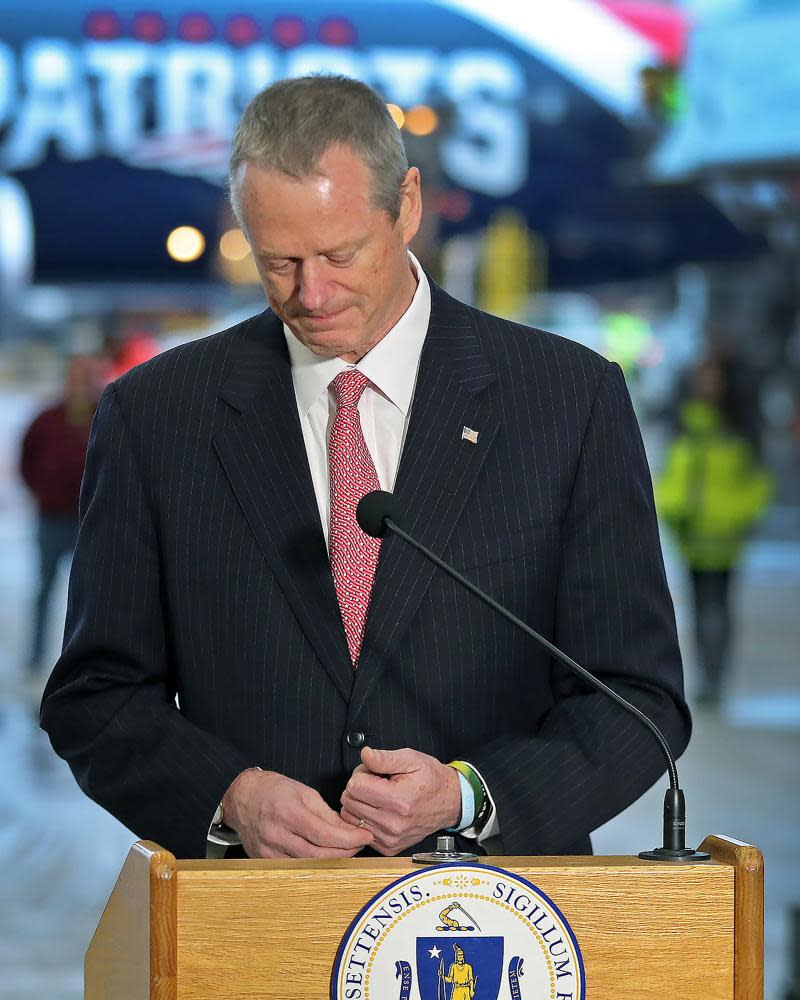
[(373, 509)]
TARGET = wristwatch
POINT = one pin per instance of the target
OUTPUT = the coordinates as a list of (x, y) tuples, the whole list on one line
[(220, 832)]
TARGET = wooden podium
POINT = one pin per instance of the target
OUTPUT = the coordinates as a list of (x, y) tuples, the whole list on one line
[(270, 930)]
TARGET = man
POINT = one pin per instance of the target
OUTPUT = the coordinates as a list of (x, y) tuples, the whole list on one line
[(52, 457), (711, 493), (325, 682)]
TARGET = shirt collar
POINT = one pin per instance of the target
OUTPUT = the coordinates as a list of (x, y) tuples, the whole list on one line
[(391, 365)]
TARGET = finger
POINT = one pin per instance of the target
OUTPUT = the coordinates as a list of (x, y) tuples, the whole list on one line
[(373, 823), (264, 850), (298, 847), (321, 832), (351, 818), (377, 792), (381, 842), (346, 838), (292, 838), (381, 823), (390, 848), (360, 823), (390, 761), (322, 813)]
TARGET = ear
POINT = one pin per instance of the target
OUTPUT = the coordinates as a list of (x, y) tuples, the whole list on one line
[(410, 205)]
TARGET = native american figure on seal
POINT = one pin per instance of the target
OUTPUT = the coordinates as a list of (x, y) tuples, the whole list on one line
[(460, 975)]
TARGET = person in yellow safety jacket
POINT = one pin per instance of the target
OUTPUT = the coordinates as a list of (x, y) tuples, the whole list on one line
[(710, 494)]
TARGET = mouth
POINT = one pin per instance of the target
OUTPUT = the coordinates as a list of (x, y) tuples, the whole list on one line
[(322, 318)]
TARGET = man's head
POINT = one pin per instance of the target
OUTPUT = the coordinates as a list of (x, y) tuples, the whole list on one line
[(83, 380), (321, 186), (459, 953)]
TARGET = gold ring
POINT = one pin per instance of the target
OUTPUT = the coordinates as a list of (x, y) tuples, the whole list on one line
[(361, 824)]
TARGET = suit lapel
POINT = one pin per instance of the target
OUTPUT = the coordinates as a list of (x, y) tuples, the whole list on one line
[(438, 470), (263, 454)]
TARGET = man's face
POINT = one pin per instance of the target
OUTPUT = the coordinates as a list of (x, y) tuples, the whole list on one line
[(84, 380), (334, 267)]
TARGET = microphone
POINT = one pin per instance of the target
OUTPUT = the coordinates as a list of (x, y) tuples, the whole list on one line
[(377, 515)]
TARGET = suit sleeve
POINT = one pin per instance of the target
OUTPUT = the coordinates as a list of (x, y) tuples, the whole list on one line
[(109, 706), (587, 759)]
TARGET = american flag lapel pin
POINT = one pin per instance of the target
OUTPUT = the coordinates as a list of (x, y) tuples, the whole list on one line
[(468, 434)]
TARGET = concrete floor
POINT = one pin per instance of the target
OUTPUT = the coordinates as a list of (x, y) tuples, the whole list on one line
[(60, 854)]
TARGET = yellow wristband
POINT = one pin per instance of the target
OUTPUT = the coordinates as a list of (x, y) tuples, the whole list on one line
[(475, 782)]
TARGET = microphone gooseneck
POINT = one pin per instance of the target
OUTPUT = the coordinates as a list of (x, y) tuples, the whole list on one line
[(377, 515)]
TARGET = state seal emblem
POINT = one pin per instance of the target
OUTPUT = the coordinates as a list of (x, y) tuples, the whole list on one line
[(459, 932)]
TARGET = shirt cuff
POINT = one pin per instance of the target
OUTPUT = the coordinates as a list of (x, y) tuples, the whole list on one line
[(467, 805), (491, 827), (219, 839), (219, 836), (215, 836)]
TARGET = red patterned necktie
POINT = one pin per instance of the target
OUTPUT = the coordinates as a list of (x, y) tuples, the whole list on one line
[(354, 555)]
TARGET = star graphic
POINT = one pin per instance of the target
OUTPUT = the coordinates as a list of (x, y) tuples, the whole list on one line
[(434, 952)]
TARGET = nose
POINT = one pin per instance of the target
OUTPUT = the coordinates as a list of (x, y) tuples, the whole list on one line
[(315, 290)]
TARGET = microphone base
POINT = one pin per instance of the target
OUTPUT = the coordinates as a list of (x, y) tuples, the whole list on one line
[(685, 856), (445, 854)]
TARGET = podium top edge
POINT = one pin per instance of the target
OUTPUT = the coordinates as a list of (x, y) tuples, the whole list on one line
[(403, 864)]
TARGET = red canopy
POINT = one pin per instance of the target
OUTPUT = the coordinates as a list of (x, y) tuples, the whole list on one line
[(666, 27)]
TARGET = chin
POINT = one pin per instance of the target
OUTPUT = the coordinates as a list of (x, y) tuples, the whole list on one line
[(331, 344)]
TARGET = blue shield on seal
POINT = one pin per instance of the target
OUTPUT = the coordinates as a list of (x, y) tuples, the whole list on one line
[(482, 955)]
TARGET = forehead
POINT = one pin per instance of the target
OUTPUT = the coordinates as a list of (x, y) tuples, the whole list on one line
[(284, 215)]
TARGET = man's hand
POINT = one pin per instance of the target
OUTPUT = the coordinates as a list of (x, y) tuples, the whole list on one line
[(402, 796), (277, 817)]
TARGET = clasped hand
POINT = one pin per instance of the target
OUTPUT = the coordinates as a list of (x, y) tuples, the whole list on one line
[(402, 796), (278, 817)]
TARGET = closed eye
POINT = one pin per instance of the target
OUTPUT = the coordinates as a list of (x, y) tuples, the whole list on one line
[(341, 259), (280, 266)]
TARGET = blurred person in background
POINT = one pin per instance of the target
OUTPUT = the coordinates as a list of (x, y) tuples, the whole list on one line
[(711, 493), (52, 457)]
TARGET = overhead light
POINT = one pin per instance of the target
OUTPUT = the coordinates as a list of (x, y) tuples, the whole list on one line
[(149, 26), (397, 113), (102, 25), (337, 31), (233, 245), (242, 29), (421, 120), (196, 28), (289, 31), (185, 244)]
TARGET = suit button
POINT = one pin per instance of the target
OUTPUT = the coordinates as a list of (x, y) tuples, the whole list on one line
[(355, 738)]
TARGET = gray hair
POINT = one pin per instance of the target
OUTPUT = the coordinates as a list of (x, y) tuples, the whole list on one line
[(290, 125)]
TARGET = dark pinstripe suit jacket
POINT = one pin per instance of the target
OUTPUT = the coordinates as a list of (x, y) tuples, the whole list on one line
[(201, 571)]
